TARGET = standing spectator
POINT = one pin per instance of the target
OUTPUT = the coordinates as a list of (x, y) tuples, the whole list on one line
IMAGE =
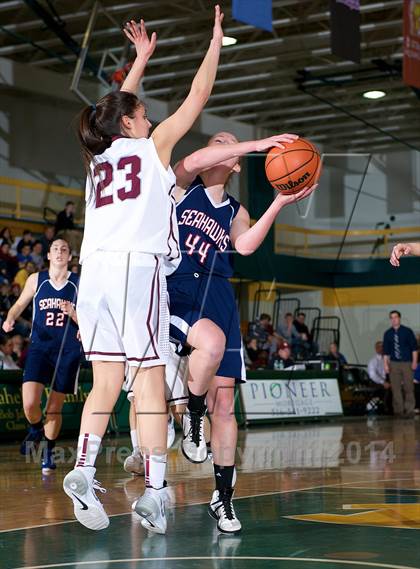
[(46, 239), (376, 372), (334, 354), (6, 236), (65, 219), (283, 358), (65, 226), (400, 352), (26, 240), (37, 256), (6, 349)]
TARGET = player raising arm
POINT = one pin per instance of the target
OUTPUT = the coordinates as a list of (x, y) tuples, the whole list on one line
[(204, 316), (122, 307), (403, 250)]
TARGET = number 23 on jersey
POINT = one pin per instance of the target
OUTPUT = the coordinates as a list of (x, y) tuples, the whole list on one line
[(131, 165)]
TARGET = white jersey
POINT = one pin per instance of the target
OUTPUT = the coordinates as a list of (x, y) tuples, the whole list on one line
[(131, 207)]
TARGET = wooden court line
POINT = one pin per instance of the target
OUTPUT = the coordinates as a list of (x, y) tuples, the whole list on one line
[(208, 558), (206, 502)]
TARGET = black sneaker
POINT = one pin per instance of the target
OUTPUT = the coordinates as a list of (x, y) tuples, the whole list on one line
[(194, 446), (32, 440), (221, 509)]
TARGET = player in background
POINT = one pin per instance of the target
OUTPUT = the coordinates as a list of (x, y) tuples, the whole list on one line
[(54, 353), (129, 242), (212, 225)]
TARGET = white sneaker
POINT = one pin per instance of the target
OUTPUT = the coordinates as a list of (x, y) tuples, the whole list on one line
[(151, 507), (221, 509), (194, 446), (134, 463), (87, 507), (171, 432)]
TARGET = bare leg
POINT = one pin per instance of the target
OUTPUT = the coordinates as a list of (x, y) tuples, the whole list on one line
[(53, 417), (31, 398), (152, 417), (224, 429), (108, 378), (209, 342)]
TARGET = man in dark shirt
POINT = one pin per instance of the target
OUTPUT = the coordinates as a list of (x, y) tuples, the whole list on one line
[(400, 361), (65, 219)]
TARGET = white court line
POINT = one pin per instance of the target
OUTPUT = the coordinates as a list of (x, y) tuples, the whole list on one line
[(256, 558), (206, 502)]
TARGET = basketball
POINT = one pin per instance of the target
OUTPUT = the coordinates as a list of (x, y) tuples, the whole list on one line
[(291, 169)]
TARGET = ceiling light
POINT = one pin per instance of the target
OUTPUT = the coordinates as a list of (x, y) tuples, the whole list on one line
[(228, 41), (374, 94)]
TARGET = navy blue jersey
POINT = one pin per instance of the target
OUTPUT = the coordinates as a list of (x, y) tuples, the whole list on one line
[(204, 232), (50, 326)]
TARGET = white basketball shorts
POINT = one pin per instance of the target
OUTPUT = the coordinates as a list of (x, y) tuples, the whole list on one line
[(176, 378), (122, 309)]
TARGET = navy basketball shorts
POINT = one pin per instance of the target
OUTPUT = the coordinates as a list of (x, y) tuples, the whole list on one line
[(193, 297), (59, 371)]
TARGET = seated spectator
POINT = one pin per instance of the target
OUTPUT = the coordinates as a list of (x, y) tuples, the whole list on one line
[(376, 372), (4, 300), (26, 240), (283, 359), (24, 322), (24, 256), (307, 345), (288, 332), (8, 263), (65, 219), (6, 350), (37, 256), (262, 360), (6, 235), (334, 354), (46, 238), (261, 329), (252, 350), (20, 350), (23, 274)]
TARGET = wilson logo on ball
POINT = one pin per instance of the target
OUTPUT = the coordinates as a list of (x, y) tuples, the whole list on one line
[(292, 184), (294, 167)]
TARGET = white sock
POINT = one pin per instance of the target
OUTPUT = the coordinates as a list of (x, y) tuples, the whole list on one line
[(154, 470), (87, 449), (134, 439)]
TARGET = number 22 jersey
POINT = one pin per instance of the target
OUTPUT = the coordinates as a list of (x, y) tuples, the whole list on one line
[(130, 207), (204, 232), (51, 328)]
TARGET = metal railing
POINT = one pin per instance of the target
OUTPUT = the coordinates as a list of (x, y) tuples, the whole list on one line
[(13, 206), (325, 243)]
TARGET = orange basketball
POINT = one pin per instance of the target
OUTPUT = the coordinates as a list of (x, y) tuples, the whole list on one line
[(295, 167)]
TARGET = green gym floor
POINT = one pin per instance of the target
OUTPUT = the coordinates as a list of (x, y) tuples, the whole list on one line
[(333, 495)]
